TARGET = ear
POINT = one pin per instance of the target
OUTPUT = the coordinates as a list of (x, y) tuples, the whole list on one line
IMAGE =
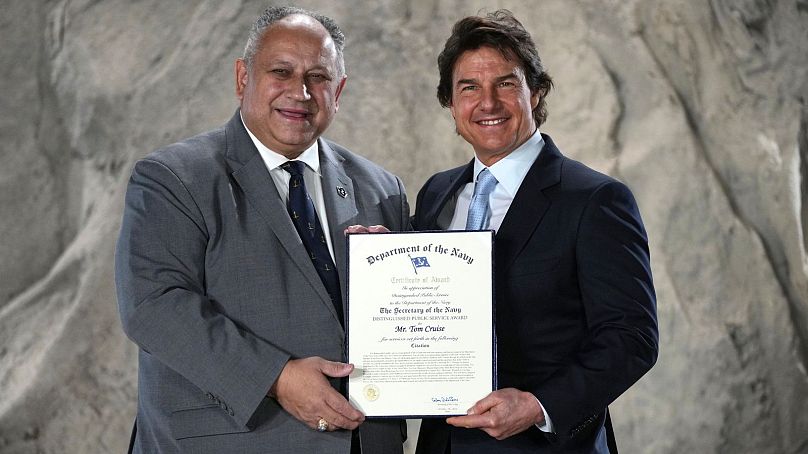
[(240, 70), (535, 97), (339, 92), (452, 110)]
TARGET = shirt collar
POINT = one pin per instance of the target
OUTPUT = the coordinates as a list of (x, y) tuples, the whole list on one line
[(273, 160), (510, 171)]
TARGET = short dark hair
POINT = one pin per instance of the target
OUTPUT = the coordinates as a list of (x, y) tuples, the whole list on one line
[(504, 33), (276, 13)]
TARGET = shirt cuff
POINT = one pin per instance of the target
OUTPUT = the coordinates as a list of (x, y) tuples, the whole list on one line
[(547, 427)]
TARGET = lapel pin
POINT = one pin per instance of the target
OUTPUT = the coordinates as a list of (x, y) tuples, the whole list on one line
[(342, 192)]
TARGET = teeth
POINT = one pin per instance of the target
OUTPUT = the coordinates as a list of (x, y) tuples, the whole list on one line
[(492, 122)]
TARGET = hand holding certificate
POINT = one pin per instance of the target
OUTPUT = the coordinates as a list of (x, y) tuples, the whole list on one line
[(420, 322)]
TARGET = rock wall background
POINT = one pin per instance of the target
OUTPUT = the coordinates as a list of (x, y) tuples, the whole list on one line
[(699, 106)]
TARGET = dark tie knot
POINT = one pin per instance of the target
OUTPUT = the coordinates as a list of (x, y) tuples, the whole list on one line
[(295, 168)]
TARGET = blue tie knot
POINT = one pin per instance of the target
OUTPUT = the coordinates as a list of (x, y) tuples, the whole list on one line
[(295, 168), (485, 183)]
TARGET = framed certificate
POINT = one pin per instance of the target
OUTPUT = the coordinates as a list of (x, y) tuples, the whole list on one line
[(420, 322)]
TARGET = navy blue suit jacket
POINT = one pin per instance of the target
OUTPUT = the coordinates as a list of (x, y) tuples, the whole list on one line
[(575, 304)]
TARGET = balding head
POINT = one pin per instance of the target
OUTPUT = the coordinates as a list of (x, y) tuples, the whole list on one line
[(274, 14)]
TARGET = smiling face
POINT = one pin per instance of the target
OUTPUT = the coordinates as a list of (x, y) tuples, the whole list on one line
[(491, 103), (290, 93)]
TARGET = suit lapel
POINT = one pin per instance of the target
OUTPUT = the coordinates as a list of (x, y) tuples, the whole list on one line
[(340, 204), (529, 205), (461, 176), (252, 175)]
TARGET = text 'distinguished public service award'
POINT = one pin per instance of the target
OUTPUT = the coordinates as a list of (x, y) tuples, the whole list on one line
[(420, 322)]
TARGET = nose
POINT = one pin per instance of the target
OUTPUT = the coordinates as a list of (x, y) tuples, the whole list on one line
[(488, 99), (298, 90)]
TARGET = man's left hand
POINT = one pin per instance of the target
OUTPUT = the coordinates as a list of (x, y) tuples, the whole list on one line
[(369, 229), (502, 413)]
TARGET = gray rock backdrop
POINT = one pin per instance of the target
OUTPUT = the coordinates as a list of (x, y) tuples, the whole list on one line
[(699, 106)]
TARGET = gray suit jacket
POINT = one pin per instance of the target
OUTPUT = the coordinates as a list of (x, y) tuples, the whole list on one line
[(217, 290)]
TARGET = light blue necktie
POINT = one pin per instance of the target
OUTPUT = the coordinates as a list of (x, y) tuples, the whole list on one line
[(478, 209)]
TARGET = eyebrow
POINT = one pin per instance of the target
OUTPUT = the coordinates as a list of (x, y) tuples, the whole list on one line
[(284, 62), (277, 62), (496, 79)]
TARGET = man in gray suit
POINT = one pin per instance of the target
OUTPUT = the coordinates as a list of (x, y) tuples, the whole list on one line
[(225, 265)]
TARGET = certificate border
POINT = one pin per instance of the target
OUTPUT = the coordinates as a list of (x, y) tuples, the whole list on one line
[(493, 313)]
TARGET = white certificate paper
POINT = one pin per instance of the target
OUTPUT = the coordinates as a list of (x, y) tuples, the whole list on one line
[(420, 322)]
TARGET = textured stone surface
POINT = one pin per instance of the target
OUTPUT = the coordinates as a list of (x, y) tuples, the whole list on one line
[(699, 106)]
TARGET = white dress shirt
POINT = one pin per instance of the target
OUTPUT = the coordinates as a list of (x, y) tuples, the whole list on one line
[(510, 172), (311, 176)]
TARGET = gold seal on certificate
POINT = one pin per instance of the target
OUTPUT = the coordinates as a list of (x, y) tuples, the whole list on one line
[(420, 322), (371, 392)]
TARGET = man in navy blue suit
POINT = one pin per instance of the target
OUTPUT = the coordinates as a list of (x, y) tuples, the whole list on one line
[(575, 304)]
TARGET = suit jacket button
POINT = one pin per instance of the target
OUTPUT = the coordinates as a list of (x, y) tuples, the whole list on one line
[(209, 396), (231, 412)]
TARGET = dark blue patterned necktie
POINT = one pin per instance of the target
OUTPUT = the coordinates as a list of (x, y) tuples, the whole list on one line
[(301, 210)]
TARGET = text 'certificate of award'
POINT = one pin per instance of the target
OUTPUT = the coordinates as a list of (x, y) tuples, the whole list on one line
[(420, 322)]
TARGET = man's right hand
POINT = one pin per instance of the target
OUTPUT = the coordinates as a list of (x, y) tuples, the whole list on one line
[(303, 390)]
